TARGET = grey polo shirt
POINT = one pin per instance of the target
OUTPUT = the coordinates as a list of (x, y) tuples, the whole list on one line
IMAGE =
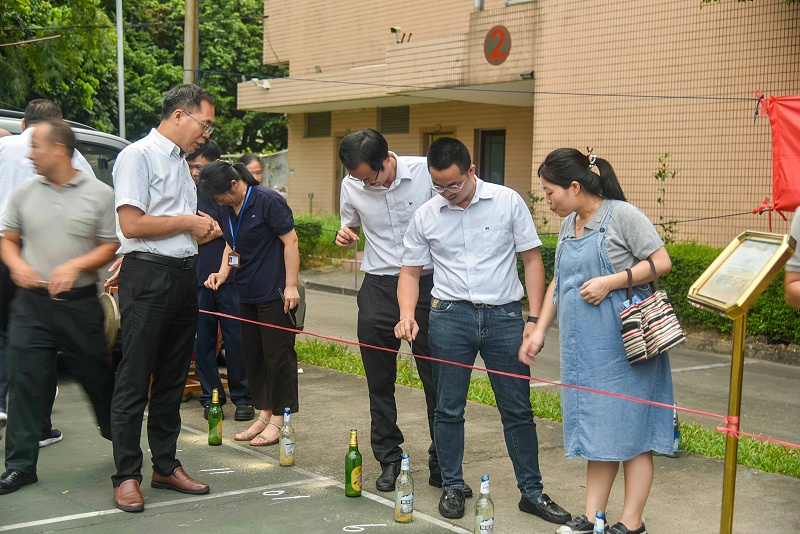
[(59, 224), (630, 238)]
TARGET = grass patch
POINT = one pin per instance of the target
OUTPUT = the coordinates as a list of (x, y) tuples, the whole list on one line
[(546, 403)]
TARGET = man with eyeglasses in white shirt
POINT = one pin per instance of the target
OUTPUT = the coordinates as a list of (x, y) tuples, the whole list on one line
[(380, 194), (158, 226), (472, 232)]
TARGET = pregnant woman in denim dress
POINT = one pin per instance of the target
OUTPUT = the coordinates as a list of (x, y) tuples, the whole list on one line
[(601, 236)]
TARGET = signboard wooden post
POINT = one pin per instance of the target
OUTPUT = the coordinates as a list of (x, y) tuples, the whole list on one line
[(729, 286)]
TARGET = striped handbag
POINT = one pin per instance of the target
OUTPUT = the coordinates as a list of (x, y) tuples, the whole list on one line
[(649, 326)]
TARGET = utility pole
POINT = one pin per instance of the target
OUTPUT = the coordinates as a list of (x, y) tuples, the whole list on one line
[(191, 42), (120, 72)]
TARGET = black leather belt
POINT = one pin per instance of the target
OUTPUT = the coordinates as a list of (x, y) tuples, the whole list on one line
[(177, 263), (72, 294)]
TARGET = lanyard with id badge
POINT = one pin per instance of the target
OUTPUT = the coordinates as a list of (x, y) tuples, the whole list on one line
[(233, 256)]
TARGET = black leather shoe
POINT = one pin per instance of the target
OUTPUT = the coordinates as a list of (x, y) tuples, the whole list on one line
[(244, 412), (389, 473), (435, 480), (451, 504), (545, 508), (13, 480)]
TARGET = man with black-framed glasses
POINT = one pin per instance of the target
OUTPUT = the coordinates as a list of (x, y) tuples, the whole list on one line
[(380, 195), (472, 232)]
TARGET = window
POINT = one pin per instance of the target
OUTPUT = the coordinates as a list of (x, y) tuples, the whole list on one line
[(492, 156), (318, 124), (395, 120)]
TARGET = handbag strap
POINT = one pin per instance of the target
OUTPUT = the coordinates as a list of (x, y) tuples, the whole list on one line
[(630, 286), (655, 274), (630, 279)]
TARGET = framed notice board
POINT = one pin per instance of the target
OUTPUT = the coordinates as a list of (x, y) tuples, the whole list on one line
[(734, 281)]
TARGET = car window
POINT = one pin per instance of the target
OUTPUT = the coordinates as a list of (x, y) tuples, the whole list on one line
[(101, 158)]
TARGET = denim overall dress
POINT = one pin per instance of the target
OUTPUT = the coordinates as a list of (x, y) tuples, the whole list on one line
[(600, 427)]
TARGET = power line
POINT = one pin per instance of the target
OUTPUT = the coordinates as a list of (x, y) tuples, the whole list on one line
[(176, 22), (31, 41)]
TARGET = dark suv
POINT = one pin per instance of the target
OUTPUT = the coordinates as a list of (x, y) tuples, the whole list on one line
[(100, 149)]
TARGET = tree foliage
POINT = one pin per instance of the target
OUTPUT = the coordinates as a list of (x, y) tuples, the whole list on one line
[(74, 70), (78, 70)]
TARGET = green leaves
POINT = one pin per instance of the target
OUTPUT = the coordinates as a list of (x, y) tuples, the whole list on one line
[(78, 70)]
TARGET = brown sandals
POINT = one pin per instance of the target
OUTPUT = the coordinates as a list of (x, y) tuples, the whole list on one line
[(249, 436), (261, 441)]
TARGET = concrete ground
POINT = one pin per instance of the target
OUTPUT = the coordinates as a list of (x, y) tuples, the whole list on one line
[(251, 493)]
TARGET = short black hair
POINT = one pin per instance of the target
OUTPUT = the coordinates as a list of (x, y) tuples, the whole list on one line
[(61, 133), (188, 96), (364, 146), (446, 152), (41, 109), (209, 150)]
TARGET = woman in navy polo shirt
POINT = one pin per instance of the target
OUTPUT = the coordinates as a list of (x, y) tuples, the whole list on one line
[(258, 228)]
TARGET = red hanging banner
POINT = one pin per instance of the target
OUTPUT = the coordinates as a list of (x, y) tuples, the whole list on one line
[(784, 117)]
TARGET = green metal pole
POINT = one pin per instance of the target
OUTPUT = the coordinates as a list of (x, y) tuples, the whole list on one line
[(732, 440)]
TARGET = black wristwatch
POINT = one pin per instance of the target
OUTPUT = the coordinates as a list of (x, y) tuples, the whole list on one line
[(533, 319)]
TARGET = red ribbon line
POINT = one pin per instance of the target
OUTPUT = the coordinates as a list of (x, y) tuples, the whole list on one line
[(769, 208), (732, 423)]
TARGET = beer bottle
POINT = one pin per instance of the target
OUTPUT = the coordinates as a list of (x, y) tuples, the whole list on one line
[(599, 522), (287, 439), (215, 420), (352, 468), (484, 510), (404, 493), (676, 434)]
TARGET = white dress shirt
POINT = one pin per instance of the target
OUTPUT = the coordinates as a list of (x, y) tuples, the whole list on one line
[(152, 175), (474, 249), (384, 213), (16, 169)]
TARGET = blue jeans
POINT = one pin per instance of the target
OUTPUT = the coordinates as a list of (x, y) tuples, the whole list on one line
[(223, 300), (457, 332)]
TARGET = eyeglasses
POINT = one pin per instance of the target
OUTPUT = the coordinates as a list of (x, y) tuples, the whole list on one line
[(450, 188), (207, 128), (365, 180)]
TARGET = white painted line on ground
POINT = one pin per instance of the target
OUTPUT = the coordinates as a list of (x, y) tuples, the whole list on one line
[(333, 482), (703, 367), (149, 506)]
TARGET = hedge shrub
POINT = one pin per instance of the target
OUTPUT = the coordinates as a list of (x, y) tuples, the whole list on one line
[(770, 317)]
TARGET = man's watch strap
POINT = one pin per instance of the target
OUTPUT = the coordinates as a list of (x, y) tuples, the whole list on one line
[(533, 319)]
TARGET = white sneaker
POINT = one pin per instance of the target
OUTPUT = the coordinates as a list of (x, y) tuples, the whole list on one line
[(3, 419), (55, 437)]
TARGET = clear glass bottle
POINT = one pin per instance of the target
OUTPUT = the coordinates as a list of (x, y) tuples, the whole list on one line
[(404, 493), (484, 510), (599, 522), (287, 439)]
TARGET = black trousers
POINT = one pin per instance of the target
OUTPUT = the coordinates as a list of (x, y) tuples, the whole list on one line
[(378, 313), (270, 360), (158, 313), (39, 327)]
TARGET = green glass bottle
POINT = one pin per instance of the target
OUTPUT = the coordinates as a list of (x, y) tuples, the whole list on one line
[(287, 439), (215, 420), (352, 468)]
